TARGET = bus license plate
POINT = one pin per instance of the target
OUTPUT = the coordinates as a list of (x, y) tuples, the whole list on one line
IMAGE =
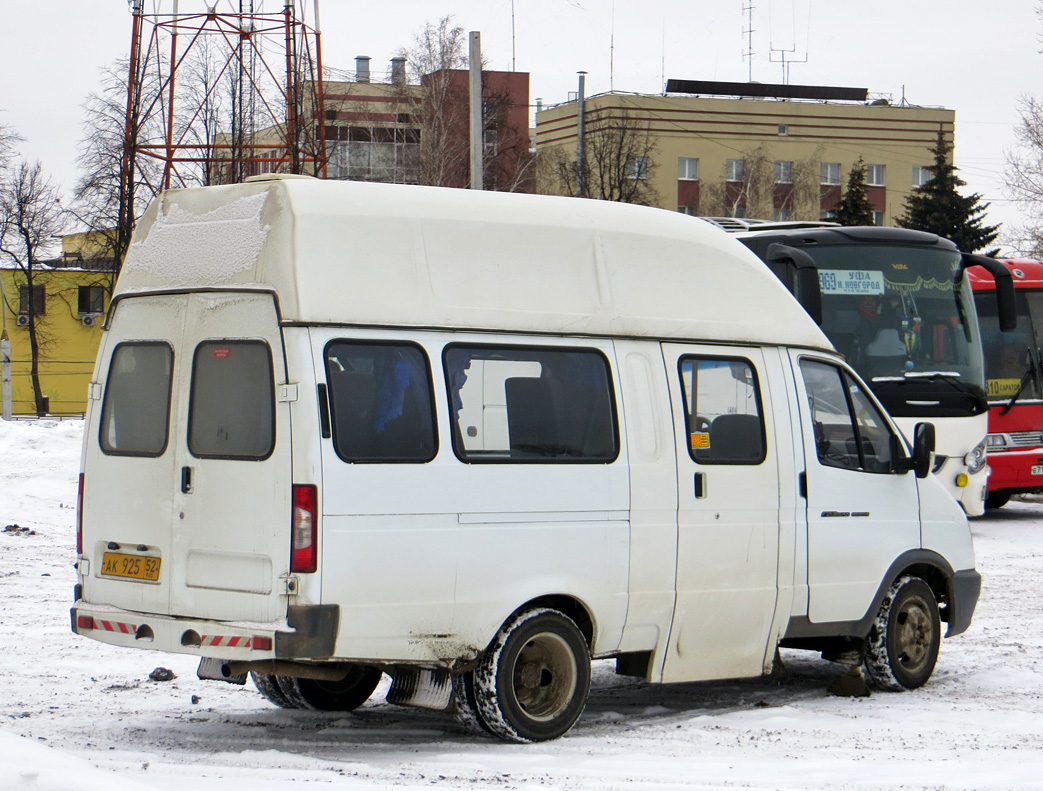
[(1037, 469), (135, 567)]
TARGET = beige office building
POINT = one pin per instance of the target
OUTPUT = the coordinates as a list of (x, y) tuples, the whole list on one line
[(766, 157)]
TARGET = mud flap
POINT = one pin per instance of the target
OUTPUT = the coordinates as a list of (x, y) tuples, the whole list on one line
[(422, 688)]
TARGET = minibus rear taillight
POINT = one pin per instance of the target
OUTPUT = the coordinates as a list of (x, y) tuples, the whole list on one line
[(79, 517), (304, 557)]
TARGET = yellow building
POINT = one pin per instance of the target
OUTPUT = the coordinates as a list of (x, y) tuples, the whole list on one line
[(722, 154), (71, 295)]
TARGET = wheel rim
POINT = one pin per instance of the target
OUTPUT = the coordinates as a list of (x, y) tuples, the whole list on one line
[(914, 634), (544, 678)]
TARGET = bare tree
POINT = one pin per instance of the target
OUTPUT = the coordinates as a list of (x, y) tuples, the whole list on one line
[(619, 161), (438, 112), (31, 216), (114, 188), (1025, 178), (761, 184)]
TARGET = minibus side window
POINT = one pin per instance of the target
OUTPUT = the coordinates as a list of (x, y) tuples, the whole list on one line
[(850, 432), (380, 402), (231, 413), (135, 414), (531, 405), (723, 409)]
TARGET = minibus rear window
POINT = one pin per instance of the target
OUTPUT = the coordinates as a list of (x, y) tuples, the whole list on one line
[(381, 402), (135, 414), (232, 410), (531, 404)]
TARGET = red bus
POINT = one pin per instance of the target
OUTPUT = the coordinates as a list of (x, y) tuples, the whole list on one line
[(1014, 382)]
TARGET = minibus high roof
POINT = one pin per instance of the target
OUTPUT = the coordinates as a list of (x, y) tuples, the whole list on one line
[(346, 252)]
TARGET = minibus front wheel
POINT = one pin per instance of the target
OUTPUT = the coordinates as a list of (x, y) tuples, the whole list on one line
[(531, 684), (904, 639)]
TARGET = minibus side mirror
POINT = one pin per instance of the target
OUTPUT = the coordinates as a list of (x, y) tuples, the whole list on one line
[(923, 449), (1005, 307), (809, 290)]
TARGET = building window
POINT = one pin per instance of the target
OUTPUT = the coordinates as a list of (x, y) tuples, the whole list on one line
[(691, 210), (827, 215), (783, 172), (830, 173), (875, 175), (782, 214), (687, 169), (878, 218), (783, 130), (91, 299), (637, 167), (733, 169), (39, 300), (921, 175)]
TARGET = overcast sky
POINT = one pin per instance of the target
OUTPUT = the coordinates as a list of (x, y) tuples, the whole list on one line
[(972, 57)]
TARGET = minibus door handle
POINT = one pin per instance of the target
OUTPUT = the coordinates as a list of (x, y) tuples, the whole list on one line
[(700, 485), (186, 480)]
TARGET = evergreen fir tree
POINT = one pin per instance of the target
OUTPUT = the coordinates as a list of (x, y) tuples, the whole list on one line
[(854, 208), (939, 208)]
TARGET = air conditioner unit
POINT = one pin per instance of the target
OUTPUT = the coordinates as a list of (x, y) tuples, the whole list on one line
[(23, 319), (89, 319)]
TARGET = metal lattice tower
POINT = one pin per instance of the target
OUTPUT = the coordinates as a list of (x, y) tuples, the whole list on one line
[(219, 93)]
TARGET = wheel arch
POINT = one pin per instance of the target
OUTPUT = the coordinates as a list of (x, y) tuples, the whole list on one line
[(570, 606), (933, 568)]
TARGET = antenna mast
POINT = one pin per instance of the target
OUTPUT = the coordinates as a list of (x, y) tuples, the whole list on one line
[(748, 33)]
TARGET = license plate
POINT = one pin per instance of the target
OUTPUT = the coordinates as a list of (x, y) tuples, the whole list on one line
[(1037, 469), (135, 567)]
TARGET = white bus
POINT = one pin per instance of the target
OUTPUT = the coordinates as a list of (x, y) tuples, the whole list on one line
[(897, 304)]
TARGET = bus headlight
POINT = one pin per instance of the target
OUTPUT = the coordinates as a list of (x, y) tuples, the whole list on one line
[(997, 442), (975, 460)]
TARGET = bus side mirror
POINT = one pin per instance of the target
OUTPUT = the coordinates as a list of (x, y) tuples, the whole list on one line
[(809, 290), (923, 449), (1005, 308)]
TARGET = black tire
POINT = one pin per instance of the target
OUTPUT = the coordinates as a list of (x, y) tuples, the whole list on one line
[(996, 500), (904, 640), (531, 684), (268, 686), (465, 705), (345, 695)]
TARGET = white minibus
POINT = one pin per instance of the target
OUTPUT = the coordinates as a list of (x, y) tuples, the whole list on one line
[(474, 440)]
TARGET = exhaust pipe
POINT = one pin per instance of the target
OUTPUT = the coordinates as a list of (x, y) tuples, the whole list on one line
[(277, 667)]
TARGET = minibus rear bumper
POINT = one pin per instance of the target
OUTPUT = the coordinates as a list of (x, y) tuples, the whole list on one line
[(307, 632)]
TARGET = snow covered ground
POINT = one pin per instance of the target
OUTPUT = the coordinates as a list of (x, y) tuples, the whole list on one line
[(77, 715)]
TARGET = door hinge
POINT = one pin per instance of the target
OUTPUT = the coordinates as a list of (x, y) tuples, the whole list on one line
[(287, 392)]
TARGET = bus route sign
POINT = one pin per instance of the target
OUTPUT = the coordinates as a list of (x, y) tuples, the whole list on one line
[(856, 282)]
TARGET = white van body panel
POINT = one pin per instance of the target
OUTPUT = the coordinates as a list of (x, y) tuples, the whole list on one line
[(858, 524), (460, 545), (632, 271), (221, 547)]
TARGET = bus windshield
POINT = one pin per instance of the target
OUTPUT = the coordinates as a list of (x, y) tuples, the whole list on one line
[(905, 319), (1012, 360)]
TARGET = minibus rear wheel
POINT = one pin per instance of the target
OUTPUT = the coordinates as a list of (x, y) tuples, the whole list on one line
[(345, 695), (904, 639), (268, 685), (531, 684)]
